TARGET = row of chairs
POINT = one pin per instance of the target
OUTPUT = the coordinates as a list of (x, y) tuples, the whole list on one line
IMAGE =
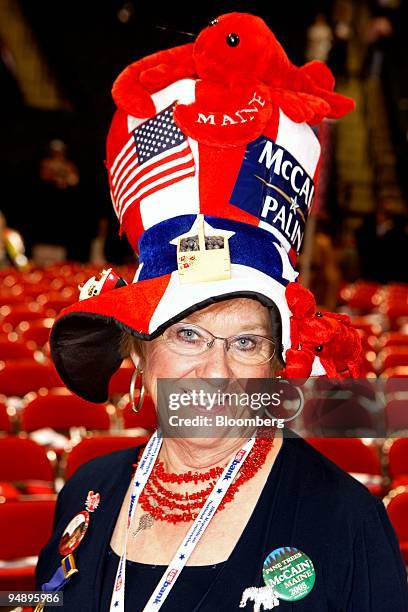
[(43, 292), (29, 527), (390, 301), (64, 274), (354, 417), (380, 471), (19, 377), (30, 303), (380, 468), (21, 543), (33, 470), (60, 410), (384, 350)]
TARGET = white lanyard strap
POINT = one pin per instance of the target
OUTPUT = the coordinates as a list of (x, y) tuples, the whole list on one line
[(141, 476), (194, 534)]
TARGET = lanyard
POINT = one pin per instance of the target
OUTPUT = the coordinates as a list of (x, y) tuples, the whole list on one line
[(194, 534)]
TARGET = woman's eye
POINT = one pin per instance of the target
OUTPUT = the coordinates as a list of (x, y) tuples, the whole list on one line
[(245, 343), (187, 335)]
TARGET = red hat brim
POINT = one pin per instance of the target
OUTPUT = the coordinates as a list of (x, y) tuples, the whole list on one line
[(85, 338)]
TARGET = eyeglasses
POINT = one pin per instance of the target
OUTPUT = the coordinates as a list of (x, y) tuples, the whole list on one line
[(192, 340)]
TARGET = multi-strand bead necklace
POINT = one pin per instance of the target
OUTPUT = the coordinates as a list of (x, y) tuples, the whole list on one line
[(163, 504)]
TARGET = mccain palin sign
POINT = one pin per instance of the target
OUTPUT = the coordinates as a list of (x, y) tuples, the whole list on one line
[(275, 188)]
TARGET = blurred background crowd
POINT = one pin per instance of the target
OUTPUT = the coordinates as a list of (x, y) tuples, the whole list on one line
[(58, 61)]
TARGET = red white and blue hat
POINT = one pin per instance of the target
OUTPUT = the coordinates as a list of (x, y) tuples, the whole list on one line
[(212, 166)]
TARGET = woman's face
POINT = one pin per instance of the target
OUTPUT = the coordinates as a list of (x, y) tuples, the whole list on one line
[(224, 319)]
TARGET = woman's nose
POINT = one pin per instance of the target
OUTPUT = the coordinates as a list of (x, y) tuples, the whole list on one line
[(215, 362)]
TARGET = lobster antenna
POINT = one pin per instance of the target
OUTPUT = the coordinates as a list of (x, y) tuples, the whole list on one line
[(167, 29)]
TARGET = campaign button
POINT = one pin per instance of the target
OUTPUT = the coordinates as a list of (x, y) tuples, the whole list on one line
[(74, 533), (290, 572)]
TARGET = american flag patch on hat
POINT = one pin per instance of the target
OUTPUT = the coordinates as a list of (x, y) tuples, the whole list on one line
[(156, 155)]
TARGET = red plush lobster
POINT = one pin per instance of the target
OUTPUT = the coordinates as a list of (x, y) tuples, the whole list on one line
[(235, 60), (326, 335)]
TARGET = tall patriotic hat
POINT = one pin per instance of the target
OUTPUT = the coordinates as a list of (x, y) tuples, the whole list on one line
[(212, 167)]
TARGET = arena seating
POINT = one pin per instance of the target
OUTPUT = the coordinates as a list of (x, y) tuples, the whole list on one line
[(62, 410), (396, 372), (22, 459), (5, 424), (145, 419), (32, 396), (18, 377), (28, 526), (341, 416), (395, 338), (11, 316), (396, 386), (362, 296), (354, 456), (15, 349), (396, 454), (98, 445), (396, 415), (391, 357), (36, 331)]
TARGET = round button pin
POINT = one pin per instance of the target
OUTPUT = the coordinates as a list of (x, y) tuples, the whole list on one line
[(290, 572), (74, 533)]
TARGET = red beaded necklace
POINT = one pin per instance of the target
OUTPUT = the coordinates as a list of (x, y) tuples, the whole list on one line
[(159, 502)]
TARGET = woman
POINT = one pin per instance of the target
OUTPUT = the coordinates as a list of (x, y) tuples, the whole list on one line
[(245, 519), (295, 498)]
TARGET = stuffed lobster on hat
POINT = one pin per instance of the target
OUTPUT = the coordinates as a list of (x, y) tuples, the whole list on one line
[(212, 167)]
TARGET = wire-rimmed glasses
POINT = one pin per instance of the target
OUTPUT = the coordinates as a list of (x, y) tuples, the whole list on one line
[(245, 348)]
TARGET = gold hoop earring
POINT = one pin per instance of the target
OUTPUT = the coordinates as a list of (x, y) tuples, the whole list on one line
[(136, 407)]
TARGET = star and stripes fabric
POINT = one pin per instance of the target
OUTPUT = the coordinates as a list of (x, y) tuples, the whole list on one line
[(248, 245), (157, 173), (156, 155)]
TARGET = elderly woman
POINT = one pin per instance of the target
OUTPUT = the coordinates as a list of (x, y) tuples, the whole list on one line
[(211, 165)]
